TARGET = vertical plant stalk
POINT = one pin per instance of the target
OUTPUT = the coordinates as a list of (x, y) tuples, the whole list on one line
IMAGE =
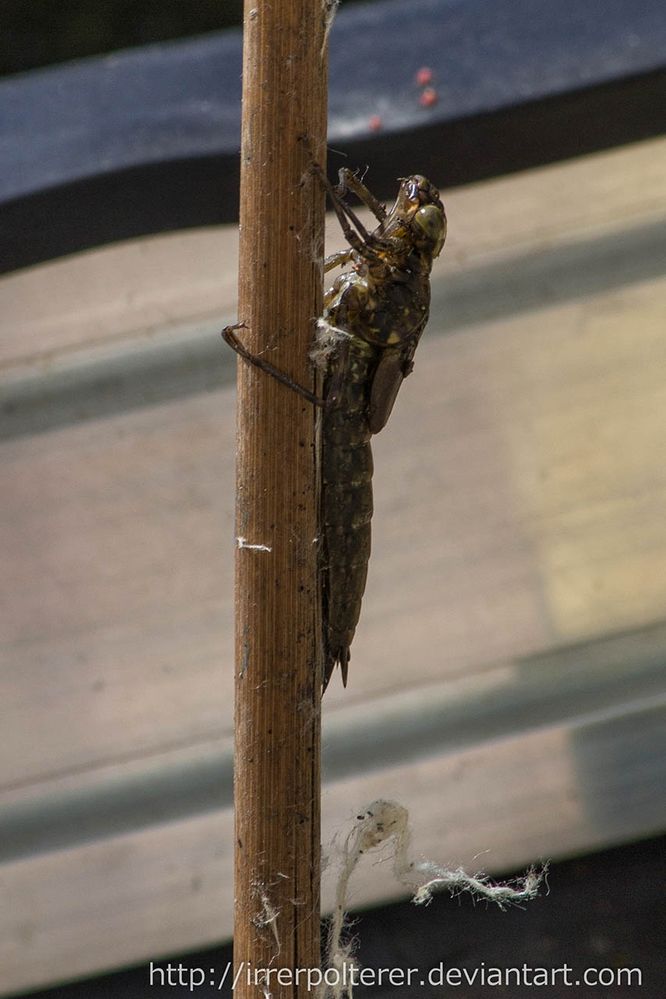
[(278, 666)]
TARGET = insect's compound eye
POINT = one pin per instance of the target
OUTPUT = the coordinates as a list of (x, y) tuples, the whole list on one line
[(411, 186), (431, 221), (422, 189)]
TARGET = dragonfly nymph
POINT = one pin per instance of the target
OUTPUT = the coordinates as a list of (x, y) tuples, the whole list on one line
[(374, 315)]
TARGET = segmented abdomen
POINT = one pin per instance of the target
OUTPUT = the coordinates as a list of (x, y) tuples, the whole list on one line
[(346, 498)]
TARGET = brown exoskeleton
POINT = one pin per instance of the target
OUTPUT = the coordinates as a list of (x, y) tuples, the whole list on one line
[(374, 315)]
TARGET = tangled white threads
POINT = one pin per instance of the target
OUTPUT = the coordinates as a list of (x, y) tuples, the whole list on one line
[(269, 917), (330, 8), (387, 820)]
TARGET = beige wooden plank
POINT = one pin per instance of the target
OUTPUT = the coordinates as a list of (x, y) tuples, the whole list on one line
[(519, 505), (140, 286), (149, 286), (560, 687), (167, 888), (117, 616)]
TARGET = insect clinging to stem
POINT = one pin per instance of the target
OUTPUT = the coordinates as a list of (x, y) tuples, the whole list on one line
[(373, 317)]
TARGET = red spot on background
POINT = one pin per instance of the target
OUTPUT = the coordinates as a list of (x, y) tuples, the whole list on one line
[(423, 76)]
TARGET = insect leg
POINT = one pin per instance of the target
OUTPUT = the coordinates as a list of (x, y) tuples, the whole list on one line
[(355, 241), (230, 337), (338, 259), (348, 181), (362, 244)]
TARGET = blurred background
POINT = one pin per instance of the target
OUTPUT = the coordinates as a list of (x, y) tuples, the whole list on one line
[(42, 33), (507, 682)]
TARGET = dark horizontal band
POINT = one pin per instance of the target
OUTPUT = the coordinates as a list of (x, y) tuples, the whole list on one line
[(146, 140)]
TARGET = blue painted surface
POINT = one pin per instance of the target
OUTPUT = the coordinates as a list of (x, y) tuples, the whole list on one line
[(138, 141)]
